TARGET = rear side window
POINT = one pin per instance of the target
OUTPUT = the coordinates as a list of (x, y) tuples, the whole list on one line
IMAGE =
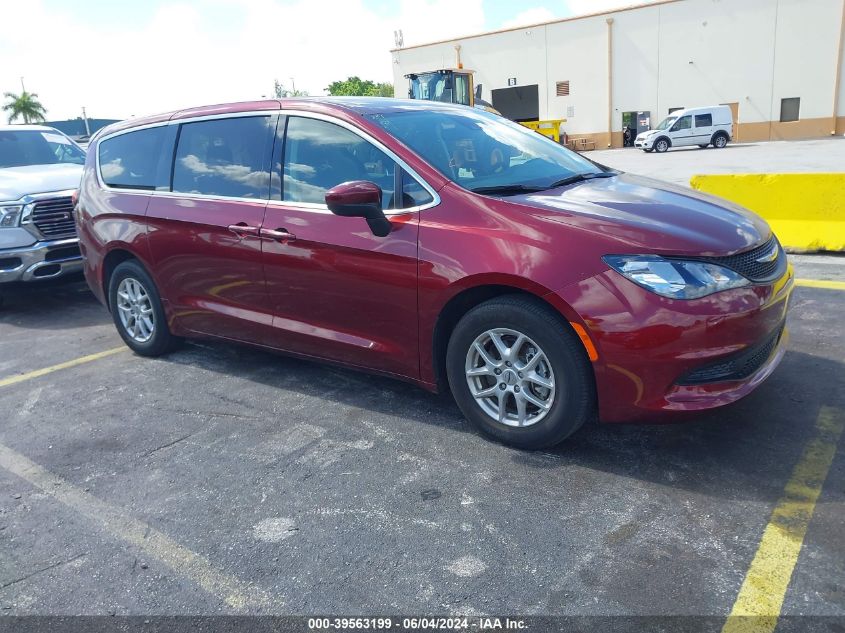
[(320, 155), (129, 160), (703, 120), (224, 157)]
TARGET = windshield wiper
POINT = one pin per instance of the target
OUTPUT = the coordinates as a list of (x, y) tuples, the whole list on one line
[(581, 177), (512, 189)]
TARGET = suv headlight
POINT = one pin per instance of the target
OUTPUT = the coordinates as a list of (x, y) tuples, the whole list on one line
[(10, 215), (675, 279)]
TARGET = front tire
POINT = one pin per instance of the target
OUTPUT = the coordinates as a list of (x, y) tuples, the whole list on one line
[(519, 374), (661, 146), (137, 312)]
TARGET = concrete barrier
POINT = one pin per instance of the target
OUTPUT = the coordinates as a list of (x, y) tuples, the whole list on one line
[(806, 211)]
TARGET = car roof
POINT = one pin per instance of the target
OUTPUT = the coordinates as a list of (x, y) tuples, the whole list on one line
[(358, 105), (11, 127)]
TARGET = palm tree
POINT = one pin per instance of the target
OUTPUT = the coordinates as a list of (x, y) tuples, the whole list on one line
[(24, 105)]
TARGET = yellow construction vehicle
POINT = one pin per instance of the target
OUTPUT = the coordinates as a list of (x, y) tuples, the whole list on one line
[(447, 85)]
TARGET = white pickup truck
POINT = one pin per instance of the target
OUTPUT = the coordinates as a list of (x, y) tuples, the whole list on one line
[(40, 169)]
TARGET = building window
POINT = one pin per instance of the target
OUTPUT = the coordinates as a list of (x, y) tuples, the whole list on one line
[(671, 110), (789, 109), (563, 89)]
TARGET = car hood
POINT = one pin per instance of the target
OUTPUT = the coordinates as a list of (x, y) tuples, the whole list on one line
[(649, 216), (16, 182)]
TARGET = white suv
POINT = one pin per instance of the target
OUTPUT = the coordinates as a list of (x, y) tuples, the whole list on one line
[(691, 126), (40, 170)]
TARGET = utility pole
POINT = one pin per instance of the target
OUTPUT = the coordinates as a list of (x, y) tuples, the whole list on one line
[(85, 118), (292, 86)]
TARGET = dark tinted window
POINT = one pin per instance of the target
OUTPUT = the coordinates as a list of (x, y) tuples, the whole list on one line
[(130, 160), (413, 193), (224, 157), (703, 120), (789, 109), (684, 123), (320, 155), (36, 147)]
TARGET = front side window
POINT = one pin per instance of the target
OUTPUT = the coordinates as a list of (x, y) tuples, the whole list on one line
[(703, 120), (413, 193), (477, 149), (320, 155), (224, 157), (36, 147), (129, 160), (684, 123)]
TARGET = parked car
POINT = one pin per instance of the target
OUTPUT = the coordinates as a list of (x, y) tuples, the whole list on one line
[(40, 170), (438, 244), (712, 125)]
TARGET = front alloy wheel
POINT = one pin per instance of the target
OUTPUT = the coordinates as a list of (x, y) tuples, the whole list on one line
[(519, 373), (661, 146), (510, 377)]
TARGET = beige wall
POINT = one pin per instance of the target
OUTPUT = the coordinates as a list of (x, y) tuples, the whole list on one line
[(678, 53)]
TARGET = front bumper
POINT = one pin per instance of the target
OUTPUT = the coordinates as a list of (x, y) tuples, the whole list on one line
[(660, 357), (42, 260), (644, 143)]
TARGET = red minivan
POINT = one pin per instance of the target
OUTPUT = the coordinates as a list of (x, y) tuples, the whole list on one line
[(438, 244)]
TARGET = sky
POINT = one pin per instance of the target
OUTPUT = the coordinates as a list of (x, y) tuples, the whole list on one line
[(123, 58)]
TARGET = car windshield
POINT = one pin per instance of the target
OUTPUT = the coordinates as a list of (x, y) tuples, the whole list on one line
[(666, 123), (485, 152), (19, 148)]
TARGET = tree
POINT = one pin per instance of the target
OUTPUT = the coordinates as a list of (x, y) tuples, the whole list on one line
[(25, 105), (357, 87), (281, 92)]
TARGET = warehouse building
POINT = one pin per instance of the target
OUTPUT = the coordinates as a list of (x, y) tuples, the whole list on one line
[(777, 63)]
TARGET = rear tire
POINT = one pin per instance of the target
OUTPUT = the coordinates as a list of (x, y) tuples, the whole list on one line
[(137, 311), (535, 393), (720, 141)]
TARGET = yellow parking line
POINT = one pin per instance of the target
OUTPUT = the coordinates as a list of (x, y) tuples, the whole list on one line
[(820, 283), (236, 593), (12, 380), (760, 598)]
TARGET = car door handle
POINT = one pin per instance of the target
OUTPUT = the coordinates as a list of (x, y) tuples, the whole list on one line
[(279, 235), (242, 228)]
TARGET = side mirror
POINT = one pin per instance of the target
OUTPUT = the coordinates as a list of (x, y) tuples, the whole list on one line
[(359, 199)]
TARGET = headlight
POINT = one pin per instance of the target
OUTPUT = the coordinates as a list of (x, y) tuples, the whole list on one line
[(10, 216), (675, 279)]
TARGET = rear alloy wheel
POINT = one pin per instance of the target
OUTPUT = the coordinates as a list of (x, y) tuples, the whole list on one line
[(661, 146), (519, 374), (720, 142), (137, 312)]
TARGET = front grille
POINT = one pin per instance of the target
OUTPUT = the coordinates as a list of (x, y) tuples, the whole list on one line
[(737, 367), (54, 217), (746, 263)]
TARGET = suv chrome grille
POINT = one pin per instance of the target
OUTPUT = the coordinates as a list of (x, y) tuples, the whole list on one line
[(752, 264), (54, 217)]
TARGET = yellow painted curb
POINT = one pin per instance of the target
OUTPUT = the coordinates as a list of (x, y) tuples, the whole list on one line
[(806, 211)]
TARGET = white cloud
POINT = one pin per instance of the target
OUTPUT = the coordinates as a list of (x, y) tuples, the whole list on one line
[(182, 55), (530, 16), (582, 7)]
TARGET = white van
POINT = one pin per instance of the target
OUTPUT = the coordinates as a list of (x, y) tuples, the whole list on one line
[(690, 126)]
